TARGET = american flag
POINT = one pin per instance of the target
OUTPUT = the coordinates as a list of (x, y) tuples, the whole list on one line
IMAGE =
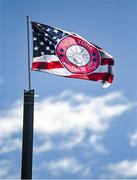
[(49, 55)]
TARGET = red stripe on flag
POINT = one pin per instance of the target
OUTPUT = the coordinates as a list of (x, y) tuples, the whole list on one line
[(46, 65), (105, 76), (105, 61), (95, 77)]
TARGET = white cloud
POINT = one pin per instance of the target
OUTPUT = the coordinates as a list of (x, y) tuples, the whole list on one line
[(123, 169), (46, 146), (72, 140), (11, 144), (4, 168), (11, 120), (65, 165), (69, 116), (95, 142), (86, 173), (8, 170), (133, 139)]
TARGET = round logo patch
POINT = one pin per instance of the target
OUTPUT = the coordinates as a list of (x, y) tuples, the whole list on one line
[(77, 55)]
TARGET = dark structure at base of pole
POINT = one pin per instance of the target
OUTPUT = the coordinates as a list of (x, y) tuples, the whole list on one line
[(27, 143)]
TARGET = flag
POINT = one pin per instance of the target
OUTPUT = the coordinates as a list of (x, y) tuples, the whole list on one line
[(69, 55)]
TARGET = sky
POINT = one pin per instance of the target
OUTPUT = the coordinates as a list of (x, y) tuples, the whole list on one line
[(80, 129)]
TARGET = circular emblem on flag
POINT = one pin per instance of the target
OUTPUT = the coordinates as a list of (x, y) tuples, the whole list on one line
[(78, 55)]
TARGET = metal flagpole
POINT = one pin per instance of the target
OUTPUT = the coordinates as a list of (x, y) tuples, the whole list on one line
[(28, 114), (29, 75)]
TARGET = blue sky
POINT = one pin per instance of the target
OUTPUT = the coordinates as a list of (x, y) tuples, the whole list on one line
[(80, 130)]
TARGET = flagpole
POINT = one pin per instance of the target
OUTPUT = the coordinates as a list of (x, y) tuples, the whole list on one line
[(28, 116), (29, 75)]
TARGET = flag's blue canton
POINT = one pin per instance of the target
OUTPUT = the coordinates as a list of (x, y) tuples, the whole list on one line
[(45, 39)]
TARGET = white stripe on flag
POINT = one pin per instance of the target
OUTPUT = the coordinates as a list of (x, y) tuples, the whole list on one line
[(104, 68), (104, 54), (58, 71), (65, 72), (46, 58)]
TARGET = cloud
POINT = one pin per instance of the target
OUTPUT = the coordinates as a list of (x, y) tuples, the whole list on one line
[(46, 146), (71, 115), (66, 165), (61, 124), (67, 116), (5, 168), (11, 144), (11, 120), (72, 140), (95, 142), (63, 116), (9, 169), (133, 139), (123, 169)]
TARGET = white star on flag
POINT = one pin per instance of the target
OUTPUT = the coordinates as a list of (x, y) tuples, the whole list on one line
[(55, 31), (41, 43), (34, 38), (47, 48), (36, 48)]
